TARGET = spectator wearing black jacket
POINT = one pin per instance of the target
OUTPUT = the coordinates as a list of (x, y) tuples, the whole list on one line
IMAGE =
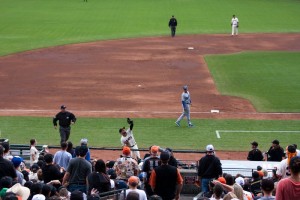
[(51, 171), (255, 154), (65, 119), (210, 168), (275, 152)]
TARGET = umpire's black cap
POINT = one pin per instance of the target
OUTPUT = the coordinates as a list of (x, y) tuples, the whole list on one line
[(63, 107)]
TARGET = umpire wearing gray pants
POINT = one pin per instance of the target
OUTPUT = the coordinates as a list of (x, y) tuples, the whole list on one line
[(65, 119)]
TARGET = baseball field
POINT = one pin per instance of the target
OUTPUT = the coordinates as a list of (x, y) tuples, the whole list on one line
[(109, 60)]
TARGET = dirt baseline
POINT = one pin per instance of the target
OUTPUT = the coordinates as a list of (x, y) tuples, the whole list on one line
[(142, 77)]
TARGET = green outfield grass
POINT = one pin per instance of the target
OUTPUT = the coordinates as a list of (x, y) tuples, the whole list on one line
[(32, 24), (104, 132), (270, 80)]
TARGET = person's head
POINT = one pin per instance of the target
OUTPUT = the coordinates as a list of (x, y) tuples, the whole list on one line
[(63, 145), (126, 151), (16, 161), (36, 188), (132, 195), (267, 185), (255, 175), (48, 158), (6, 182), (100, 166), (254, 144), (33, 142), (34, 168), (77, 150), (10, 196), (185, 88), (240, 180), (218, 190), (63, 192), (70, 146), (295, 145), (229, 196), (229, 179), (275, 143), (233, 16), (46, 190), (290, 153), (123, 132), (83, 151), (63, 108), (238, 191), (76, 195), (84, 141), (154, 150), (295, 165), (210, 149), (38, 197), (164, 157), (5, 146), (133, 182)]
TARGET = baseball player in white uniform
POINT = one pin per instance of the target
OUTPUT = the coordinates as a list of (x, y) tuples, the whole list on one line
[(186, 102), (234, 25), (127, 139)]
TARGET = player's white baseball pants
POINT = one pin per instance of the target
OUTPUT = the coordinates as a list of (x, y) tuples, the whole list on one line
[(234, 30), (135, 152)]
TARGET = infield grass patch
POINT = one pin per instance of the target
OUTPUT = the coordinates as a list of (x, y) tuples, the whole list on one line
[(270, 80)]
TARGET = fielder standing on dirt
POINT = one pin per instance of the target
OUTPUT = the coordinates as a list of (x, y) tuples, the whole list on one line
[(128, 140), (234, 25), (186, 103), (65, 119), (173, 25)]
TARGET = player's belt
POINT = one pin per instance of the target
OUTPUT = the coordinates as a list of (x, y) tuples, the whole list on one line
[(132, 145)]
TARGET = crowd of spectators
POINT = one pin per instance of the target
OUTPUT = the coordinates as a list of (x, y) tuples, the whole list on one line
[(71, 174)]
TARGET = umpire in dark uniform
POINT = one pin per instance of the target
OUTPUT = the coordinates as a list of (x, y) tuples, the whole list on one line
[(65, 119), (173, 25)]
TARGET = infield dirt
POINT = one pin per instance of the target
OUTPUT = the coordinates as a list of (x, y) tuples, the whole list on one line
[(142, 76)]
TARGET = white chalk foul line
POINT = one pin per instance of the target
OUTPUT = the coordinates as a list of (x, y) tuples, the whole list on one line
[(241, 131)]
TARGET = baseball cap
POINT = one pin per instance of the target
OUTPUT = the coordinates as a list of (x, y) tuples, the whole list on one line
[(126, 151), (20, 190), (154, 149), (164, 155), (133, 180), (185, 87), (63, 107), (275, 142), (254, 143), (16, 160), (38, 197), (222, 180), (210, 148), (240, 181)]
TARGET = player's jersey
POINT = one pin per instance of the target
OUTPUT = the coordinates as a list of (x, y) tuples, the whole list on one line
[(234, 21), (129, 139), (186, 98)]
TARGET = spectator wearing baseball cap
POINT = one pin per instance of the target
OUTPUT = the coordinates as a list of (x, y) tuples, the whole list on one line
[(255, 154), (210, 168), (133, 183), (165, 180), (16, 160), (275, 152), (126, 166), (150, 163), (283, 170)]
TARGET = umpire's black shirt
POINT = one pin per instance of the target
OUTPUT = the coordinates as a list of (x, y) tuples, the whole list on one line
[(64, 118)]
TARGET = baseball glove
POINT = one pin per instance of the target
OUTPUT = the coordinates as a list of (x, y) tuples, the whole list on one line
[(129, 121)]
